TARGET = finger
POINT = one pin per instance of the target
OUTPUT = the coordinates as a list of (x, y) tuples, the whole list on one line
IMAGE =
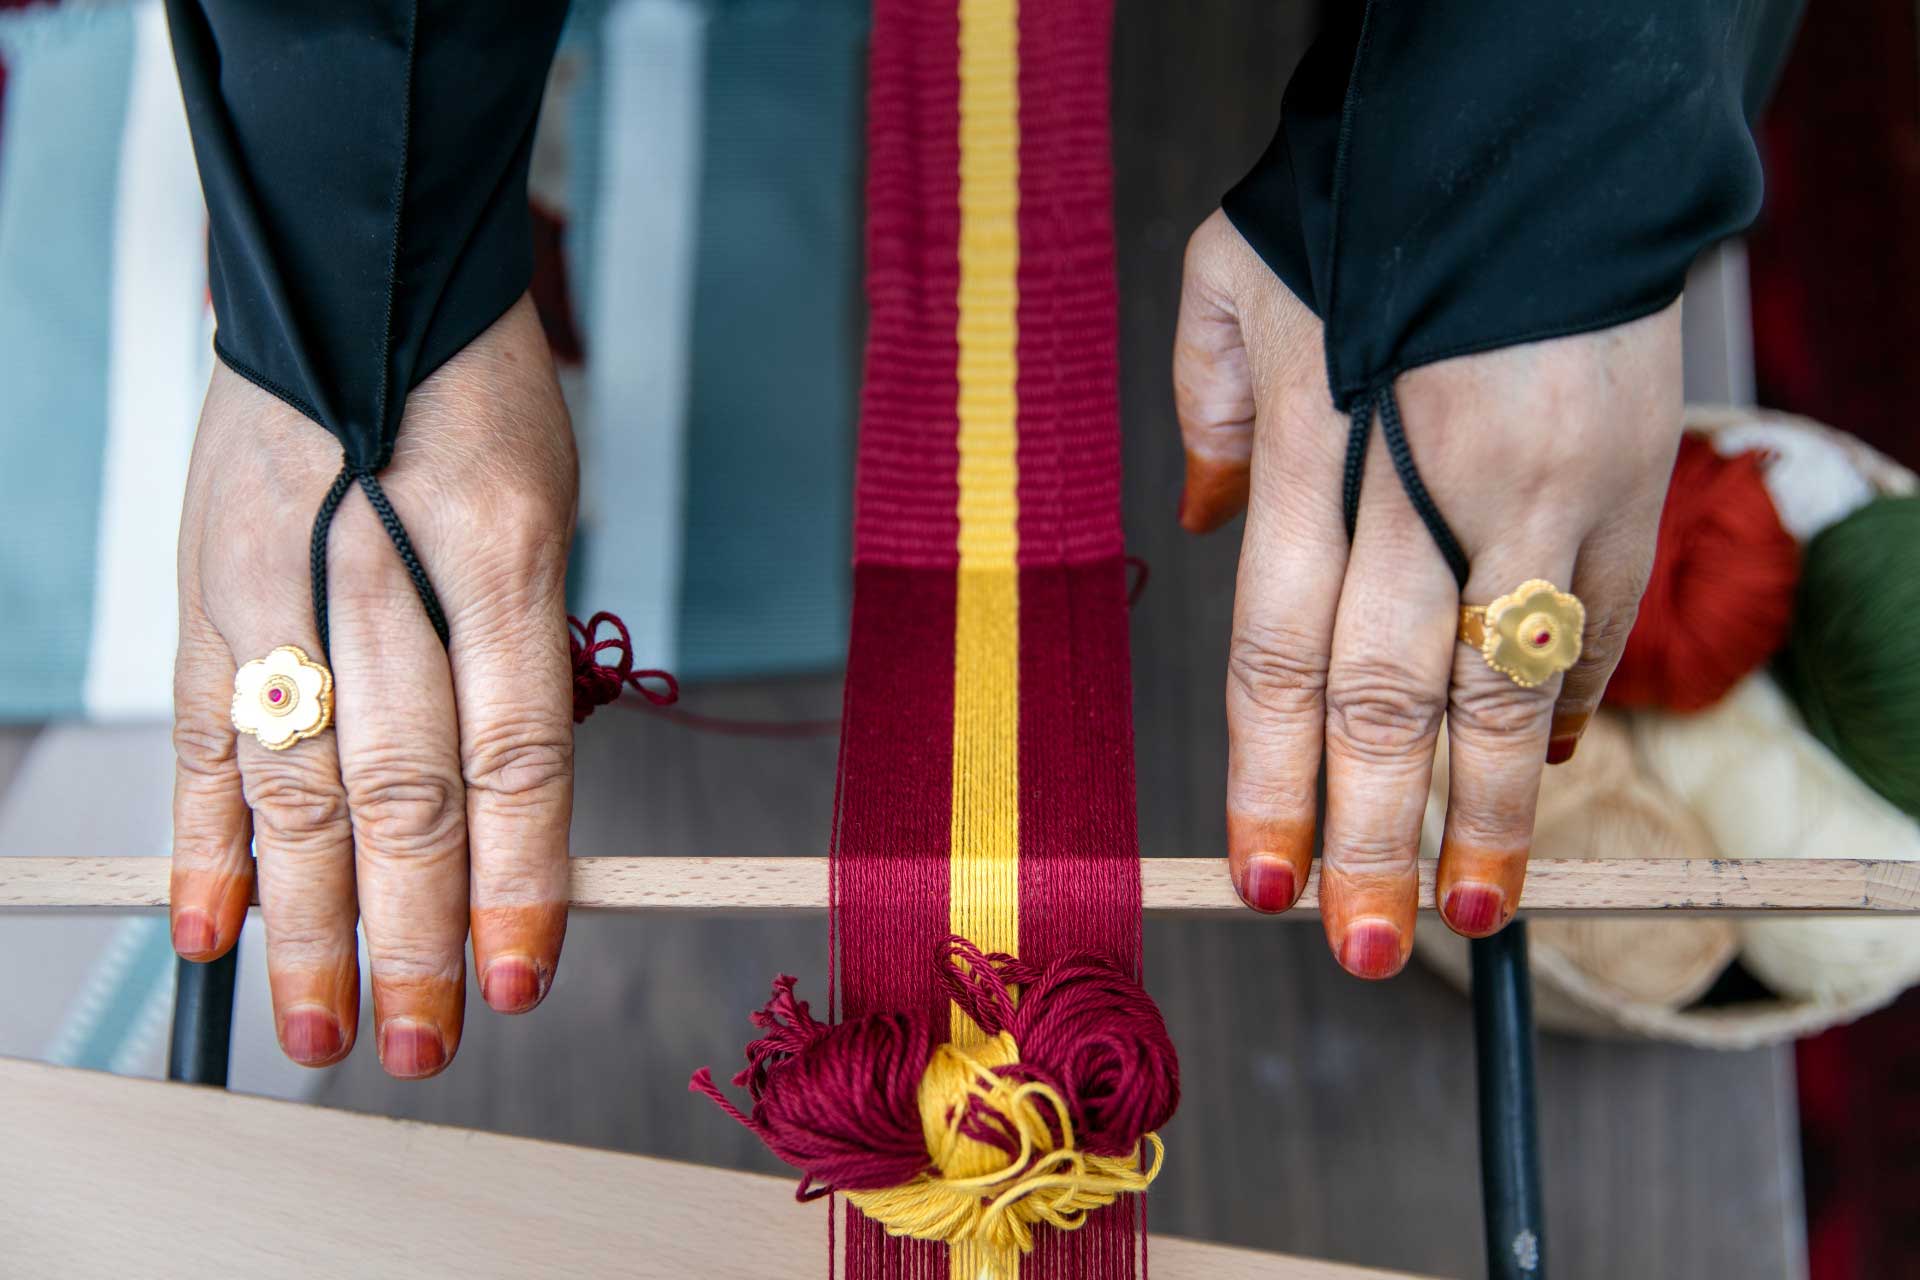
[(1497, 740), (1213, 393), (303, 844), (1610, 578), (398, 741), (211, 881), (1292, 558), (514, 680), (1386, 691)]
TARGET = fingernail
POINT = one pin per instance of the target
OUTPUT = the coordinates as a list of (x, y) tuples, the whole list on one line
[(410, 1049), (311, 1035), (1474, 909), (511, 984), (193, 933), (1371, 949), (1267, 883), (1564, 737)]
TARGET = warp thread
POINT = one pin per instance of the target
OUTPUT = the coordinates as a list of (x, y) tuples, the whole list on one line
[(1044, 1122), (1853, 664), (1720, 598)]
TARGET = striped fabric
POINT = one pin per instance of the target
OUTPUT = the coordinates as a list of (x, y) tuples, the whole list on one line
[(697, 164), (987, 758)]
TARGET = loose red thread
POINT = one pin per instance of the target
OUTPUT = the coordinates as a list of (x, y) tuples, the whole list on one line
[(596, 683)]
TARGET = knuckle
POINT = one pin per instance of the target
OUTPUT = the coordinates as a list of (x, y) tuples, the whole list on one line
[(363, 567), (1607, 632), (204, 747), (521, 757), (526, 529), (403, 807), (1279, 791), (1379, 711), (302, 935), (1280, 670), (1372, 853), (1488, 822), (1497, 707), (412, 957), (256, 551), (295, 806)]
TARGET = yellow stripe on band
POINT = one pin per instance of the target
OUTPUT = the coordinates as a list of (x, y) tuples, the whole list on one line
[(984, 884), (984, 858)]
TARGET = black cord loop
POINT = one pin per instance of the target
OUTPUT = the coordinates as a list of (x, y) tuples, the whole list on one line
[(1357, 437), (396, 534), (1388, 405)]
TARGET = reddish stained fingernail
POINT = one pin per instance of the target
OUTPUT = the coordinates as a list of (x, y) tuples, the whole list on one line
[(1474, 909), (512, 984), (193, 933), (1267, 883), (410, 1049), (1371, 949), (1564, 736), (311, 1036)]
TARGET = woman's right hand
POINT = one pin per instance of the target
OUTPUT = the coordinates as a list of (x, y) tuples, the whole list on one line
[(442, 796)]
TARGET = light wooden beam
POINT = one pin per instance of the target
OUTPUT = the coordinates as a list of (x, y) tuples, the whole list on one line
[(1828, 886), (104, 1177)]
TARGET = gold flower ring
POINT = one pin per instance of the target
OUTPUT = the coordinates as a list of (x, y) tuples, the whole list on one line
[(282, 698), (1529, 635)]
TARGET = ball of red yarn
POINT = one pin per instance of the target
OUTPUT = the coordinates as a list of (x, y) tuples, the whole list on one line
[(1720, 600)]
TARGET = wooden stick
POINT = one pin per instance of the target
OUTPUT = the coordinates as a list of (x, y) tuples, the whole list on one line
[(1832, 886), (106, 1177)]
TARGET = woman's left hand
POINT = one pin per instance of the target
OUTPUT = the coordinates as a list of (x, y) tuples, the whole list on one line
[(1550, 460)]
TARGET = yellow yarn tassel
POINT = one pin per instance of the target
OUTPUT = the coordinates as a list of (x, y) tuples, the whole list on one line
[(980, 1196)]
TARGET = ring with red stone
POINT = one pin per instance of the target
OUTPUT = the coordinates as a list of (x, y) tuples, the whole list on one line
[(1529, 635), (283, 698)]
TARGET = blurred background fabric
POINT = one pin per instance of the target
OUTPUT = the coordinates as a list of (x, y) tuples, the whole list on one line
[(707, 327)]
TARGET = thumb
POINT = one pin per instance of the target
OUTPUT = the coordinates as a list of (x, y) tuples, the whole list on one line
[(1213, 394)]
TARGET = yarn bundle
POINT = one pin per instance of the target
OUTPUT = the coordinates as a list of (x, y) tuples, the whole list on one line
[(1046, 1118), (1719, 601), (1853, 666), (1764, 788), (1785, 548)]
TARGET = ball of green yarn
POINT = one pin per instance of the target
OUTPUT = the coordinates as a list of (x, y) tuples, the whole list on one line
[(1853, 662)]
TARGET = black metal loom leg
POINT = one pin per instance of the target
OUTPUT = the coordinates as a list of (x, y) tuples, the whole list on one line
[(1509, 1133), (203, 1020)]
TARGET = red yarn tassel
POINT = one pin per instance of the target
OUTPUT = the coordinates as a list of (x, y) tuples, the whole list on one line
[(841, 1103)]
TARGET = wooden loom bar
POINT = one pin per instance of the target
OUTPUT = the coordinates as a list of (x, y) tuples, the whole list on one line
[(1829, 886)]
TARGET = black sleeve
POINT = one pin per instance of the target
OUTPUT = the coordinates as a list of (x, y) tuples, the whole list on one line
[(1450, 178), (365, 168)]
